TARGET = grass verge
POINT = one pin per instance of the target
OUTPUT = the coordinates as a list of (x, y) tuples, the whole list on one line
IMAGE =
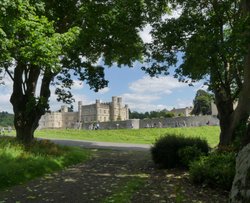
[(138, 136), (19, 163), (125, 192)]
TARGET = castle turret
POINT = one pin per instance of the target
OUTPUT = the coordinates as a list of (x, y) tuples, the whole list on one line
[(97, 109), (64, 108), (113, 109), (80, 111)]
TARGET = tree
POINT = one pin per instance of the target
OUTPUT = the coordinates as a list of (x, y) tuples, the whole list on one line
[(6, 119), (50, 42), (213, 39), (202, 103)]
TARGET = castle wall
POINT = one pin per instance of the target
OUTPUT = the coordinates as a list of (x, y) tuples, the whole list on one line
[(190, 121), (89, 113), (69, 119), (51, 120), (126, 124), (114, 115)]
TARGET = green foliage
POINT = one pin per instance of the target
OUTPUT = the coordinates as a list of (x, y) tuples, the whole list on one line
[(169, 115), (54, 43), (202, 103), (189, 154), (19, 163), (152, 114), (166, 150), (217, 169), (6, 119)]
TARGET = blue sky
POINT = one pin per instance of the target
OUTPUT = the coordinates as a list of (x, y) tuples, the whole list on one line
[(141, 92), (137, 89)]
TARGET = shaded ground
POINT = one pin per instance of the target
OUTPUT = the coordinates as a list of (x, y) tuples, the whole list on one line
[(108, 171)]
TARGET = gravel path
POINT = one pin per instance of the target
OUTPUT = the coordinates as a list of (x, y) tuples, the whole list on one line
[(98, 178)]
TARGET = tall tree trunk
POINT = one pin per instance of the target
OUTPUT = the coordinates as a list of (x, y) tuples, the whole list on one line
[(242, 112), (225, 109), (27, 108)]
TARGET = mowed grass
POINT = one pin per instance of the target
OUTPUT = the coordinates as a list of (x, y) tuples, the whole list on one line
[(19, 163), (138, 136)]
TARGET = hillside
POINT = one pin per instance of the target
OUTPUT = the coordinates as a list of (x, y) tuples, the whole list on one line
[(6, 119)]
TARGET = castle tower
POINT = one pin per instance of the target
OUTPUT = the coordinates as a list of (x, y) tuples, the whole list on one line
[(97, 109), (127, 112), (79, 111), (64, 108), (113, 109)]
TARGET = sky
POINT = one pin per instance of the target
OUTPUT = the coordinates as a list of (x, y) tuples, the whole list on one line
[(140, 92)]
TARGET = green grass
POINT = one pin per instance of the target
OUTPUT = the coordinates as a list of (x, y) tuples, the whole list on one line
[(125, 192), (139, 136), (19, 164)]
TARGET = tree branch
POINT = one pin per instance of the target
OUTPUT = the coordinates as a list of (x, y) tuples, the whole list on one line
[(10, 75)]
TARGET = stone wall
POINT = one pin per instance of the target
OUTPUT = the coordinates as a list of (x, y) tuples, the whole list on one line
[(179, 122), (159, 123), (132, 123)]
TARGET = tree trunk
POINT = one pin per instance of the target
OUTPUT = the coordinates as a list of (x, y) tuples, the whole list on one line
[(242, 111), (225, 109), (26, 118), (24, 130), (27, 108)]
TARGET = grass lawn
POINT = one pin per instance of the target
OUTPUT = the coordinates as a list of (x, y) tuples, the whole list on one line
[(19, 164), (139, 136)]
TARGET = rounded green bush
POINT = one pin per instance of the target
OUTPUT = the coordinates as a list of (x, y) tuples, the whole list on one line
[(189, 154), (165, 152), (217, 169)]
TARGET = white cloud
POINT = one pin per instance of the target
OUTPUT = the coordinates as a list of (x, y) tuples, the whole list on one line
[(145, 34), (146, 92), (143, 107), (104, 90), (160, 85), (77, 85), (183, 103), (139, 98), (174, 14), (5, 104), (6, 90)]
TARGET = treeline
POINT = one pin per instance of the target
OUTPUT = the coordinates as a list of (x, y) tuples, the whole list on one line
[(152, 114), (6, 119)]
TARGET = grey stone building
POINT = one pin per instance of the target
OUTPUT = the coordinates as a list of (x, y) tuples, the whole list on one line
[(97, 112)]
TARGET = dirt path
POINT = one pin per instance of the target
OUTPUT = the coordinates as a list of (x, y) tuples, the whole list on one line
[(101, 176)]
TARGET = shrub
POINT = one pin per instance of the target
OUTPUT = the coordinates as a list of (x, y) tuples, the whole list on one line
[(189, 154), (165, 152), (217, 169)]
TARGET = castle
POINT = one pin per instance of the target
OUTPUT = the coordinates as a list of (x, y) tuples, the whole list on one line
[(97, 112)]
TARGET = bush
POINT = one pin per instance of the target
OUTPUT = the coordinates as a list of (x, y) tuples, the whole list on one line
[(217, 169), (165, 152), (189, 154)]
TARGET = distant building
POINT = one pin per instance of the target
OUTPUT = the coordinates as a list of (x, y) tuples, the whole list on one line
[(182, 111), (97, 112), (215, 110)]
